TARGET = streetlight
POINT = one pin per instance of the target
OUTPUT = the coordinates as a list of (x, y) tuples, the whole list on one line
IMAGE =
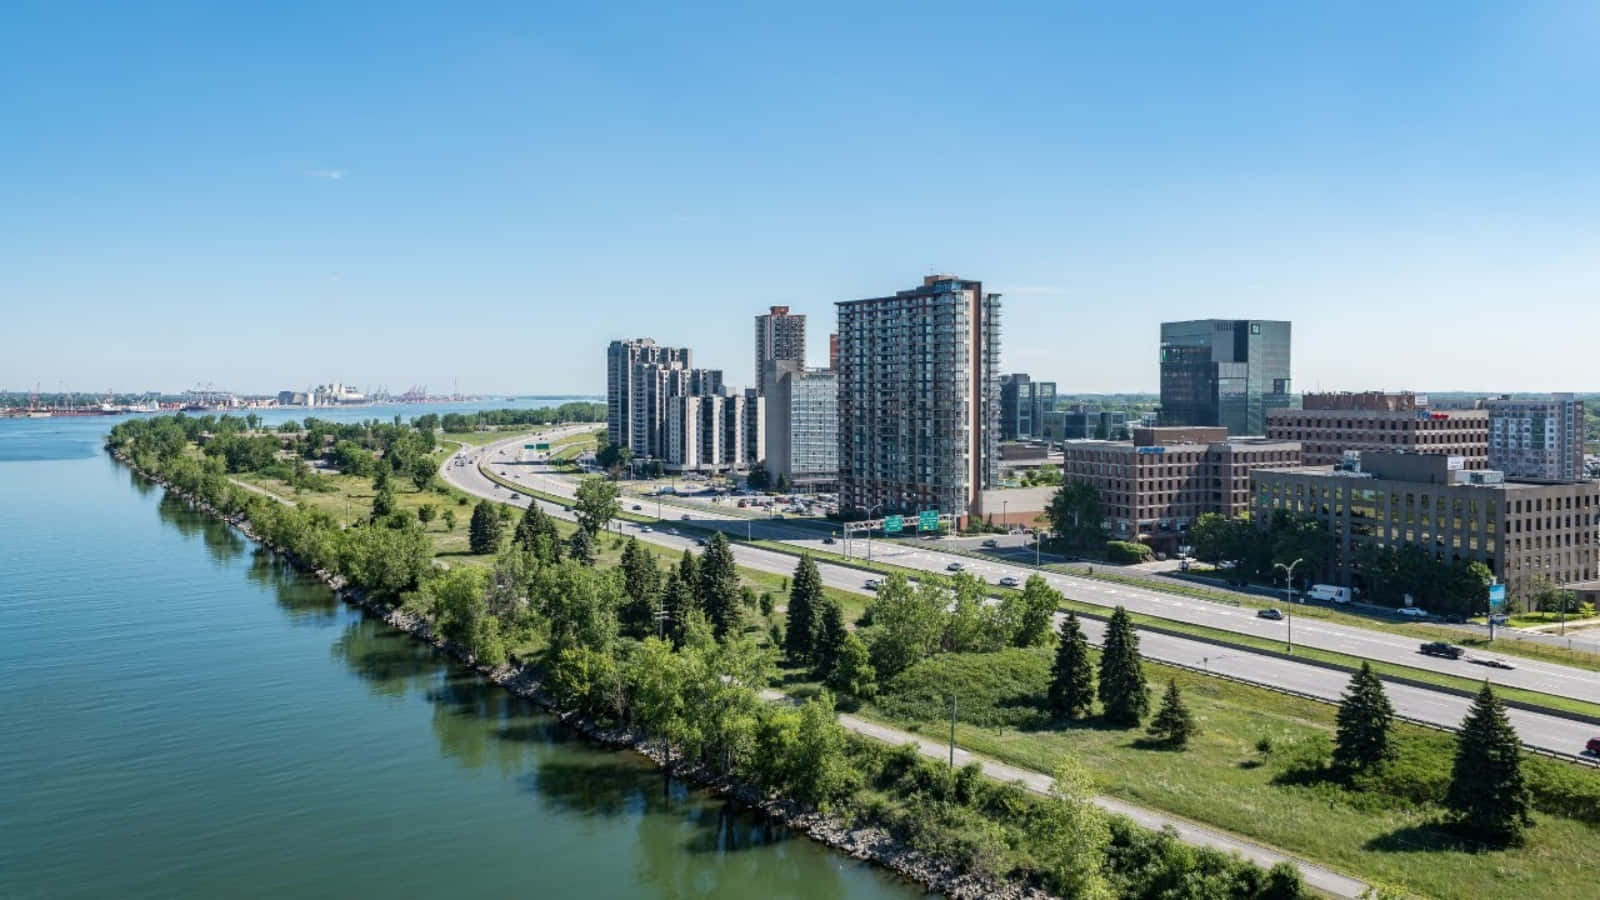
[(1288, 594)]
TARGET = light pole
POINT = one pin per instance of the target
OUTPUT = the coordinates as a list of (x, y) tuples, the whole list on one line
[(1288, 594), (1005, 522)]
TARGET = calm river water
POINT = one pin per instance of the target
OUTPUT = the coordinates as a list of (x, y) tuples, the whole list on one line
[(183, 716)]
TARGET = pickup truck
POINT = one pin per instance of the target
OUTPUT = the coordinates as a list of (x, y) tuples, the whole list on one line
[(1440, 648)]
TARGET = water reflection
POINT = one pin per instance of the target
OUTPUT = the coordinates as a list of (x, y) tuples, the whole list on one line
[(306, 600), (688, 843), (222, 542)]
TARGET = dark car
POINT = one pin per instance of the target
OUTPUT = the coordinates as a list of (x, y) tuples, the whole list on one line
[(828, 540), (1455, 619), (1269, 613), (637, 507), (1593, 747), (1440, 648)]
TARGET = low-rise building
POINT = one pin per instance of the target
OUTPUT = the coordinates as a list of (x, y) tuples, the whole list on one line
[(1153, 487), (1519, 529), (1082, 422), (1327, 425)]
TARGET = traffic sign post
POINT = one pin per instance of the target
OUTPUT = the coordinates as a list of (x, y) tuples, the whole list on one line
[(1497, 604), (928, 520), (893, 524)]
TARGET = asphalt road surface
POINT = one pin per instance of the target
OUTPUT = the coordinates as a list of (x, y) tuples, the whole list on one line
[(1552, 733)]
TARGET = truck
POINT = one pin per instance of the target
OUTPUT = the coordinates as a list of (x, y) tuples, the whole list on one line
[(1330, 593)]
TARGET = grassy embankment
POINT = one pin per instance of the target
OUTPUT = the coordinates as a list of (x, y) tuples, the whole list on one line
[(1250, 642), (1252, 770)]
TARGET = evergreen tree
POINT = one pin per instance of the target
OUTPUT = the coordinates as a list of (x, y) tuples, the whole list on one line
[(719, 587), (483, 533), (688, 570), (677, 605), (1362, 739), (805, 592), (1173, 725), (1072, 677), (830, 641), (852, 671), (581, 546), (537, 532), (642, 583), (380, 478), (1488, 795), (1122, 688)]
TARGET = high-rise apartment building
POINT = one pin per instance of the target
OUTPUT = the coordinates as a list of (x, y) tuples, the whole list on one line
[(631, 418), (1023, 404), (833, 351), (1327, 425), (803, 426), (1225, 372), (1540, 439), (919, 398), (708, 432), (1520, 530), (780, 337)]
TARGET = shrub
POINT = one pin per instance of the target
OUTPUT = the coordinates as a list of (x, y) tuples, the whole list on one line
[(1127, 552)]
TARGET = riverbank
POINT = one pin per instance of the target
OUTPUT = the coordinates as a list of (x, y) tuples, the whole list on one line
[(864, 842)]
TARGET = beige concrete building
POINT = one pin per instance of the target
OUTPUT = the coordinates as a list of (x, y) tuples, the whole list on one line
[(1153, 488), (1520, 530), (1329, 424)]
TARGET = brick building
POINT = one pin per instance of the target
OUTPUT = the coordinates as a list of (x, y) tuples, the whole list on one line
[(1329, 424)]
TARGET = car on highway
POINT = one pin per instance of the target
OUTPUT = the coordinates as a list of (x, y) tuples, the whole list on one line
[(684, 517), (1269, 613), (1440, 648), (954, 567), (1009, 581), (672, 531), (871, 584), (829, 540), (1493, 662), (701, 542), (1593, 747), (1415, 612), (991, 542), (1499, 619), (637, 507), (644, 528)]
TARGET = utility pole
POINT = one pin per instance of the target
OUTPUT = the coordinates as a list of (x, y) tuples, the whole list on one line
[(1288, 594)]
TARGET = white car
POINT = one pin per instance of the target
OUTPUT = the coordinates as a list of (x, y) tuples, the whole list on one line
[(954, 567), (1009, 581), (871, 584), (1415, 612)]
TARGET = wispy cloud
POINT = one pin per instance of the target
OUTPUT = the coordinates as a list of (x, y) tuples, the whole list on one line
[(330, 174)]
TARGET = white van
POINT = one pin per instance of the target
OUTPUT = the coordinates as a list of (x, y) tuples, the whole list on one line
[(1329, 593)]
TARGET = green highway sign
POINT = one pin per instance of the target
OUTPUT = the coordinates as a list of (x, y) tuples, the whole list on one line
[(892, 524), (928, 520), (528, 447), (542, 445)]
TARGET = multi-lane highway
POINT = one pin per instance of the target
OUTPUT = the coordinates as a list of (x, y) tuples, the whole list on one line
[(1543, 731)]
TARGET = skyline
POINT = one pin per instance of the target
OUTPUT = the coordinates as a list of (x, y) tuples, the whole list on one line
[(264, 199)]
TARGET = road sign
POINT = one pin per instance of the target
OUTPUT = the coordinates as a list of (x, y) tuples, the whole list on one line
[(893, 524), (529, 447), (542, 445), (928, 520), (1497, 598)]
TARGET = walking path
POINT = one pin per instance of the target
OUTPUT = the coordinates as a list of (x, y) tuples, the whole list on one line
[(260, 490), (1316, 876)]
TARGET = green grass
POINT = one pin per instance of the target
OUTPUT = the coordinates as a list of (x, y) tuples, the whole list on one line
[(1385, 834), (479, 438), (1222, 637)]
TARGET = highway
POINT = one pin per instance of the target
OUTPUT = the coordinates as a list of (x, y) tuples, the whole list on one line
[(1546, 732)]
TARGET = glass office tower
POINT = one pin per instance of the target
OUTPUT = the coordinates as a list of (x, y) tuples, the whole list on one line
[(1226, 372)]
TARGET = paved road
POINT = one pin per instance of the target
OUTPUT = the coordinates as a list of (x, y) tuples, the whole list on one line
[(1545, 732)]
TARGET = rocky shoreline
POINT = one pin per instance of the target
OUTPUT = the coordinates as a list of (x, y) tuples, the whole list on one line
[(864, 842)]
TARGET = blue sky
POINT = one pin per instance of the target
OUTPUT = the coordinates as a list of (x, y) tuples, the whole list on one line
[(432, 193)]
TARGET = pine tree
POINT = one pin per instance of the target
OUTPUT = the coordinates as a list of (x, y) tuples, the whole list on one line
[(483, 534), (382, 503), (1487, 794), (642, 583), (1361, 742), (688, 570), (831, 635), (805, 593), (1072, 677), (1173, 725), (581, 546), (677, 605), (537, 532), (852, 671), (719, 587), (1122, 687)]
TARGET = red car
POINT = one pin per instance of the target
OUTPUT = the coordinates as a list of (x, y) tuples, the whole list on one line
[(1593, 746)]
